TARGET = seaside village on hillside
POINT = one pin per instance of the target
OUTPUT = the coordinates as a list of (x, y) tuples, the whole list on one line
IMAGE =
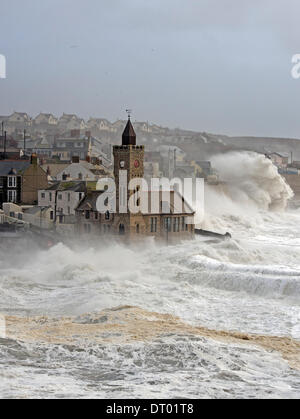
[(50, 168)]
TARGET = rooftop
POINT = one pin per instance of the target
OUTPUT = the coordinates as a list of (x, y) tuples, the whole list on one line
[(18, 165), (79, 186)]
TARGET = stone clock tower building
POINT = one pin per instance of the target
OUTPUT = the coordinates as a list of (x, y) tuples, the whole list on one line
[(128, 158), (128, 164), (166, 225)]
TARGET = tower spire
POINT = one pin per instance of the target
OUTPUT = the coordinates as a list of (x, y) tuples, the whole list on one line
[(129, 136)]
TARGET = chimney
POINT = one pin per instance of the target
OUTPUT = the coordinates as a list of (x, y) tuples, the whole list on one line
[(34, 159), (75, 159)]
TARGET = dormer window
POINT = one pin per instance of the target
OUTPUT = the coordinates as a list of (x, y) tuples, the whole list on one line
[(12, 181)]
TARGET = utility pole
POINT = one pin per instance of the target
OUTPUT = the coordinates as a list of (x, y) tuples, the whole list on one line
[(2, 136), (24, 141), (175, 159), (4, 145), (55, 209)]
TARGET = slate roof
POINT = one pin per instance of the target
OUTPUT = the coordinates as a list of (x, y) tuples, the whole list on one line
[(129, 136), (7, 165), (55, 168), (90, 201), (68, 186)]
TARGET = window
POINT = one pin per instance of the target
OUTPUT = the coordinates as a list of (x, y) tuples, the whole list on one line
[(153, 225), (69, 197), (50, 196), (184, 224), (167, 223), (12, 196), (87, 214), (20, 216), (12, 181), (96, 216), (107, 215), (42, 195), (137, 228), (176, 222), (60, 196), (51, 215), (61, 219)]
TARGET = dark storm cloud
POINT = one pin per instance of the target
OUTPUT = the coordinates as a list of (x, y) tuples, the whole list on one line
[(214, 65)]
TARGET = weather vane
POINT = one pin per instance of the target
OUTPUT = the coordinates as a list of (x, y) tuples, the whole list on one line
[(129, 112)]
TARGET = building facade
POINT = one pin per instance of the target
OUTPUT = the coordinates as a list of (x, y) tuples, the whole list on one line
[(10, 183), (34, 178), (168, 221), (20, 181), (63, 198)]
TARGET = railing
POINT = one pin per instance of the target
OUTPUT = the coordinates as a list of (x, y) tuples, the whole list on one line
[(11, 220)]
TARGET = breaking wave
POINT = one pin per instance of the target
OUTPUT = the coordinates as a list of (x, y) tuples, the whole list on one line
[(250, 284), (252, 180)]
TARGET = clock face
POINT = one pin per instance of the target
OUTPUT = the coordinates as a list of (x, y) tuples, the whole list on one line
[(136, 164), (122, 164)]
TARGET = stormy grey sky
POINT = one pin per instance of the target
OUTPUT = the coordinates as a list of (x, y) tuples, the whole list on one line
[(220, 66)]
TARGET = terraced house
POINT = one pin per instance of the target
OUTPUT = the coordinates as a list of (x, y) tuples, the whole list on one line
[(20, 181)]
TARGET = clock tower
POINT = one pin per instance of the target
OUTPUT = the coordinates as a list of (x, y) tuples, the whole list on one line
[(128, 164)]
